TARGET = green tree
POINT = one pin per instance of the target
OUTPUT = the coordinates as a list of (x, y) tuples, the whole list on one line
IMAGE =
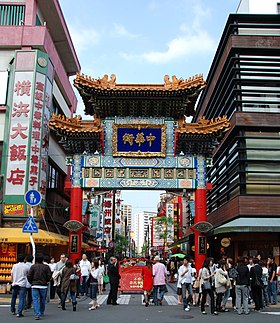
[(165, 228), (121, 245)]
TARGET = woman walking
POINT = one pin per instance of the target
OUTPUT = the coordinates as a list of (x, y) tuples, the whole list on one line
[(95, 275), (147, 275), (220, 283), (206, 276), (100, 280), (68, 284)]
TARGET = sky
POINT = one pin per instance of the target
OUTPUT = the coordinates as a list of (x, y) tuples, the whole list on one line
[(140, 41)]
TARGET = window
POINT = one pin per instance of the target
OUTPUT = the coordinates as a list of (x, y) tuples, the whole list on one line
[(56, 178), (12, 15)]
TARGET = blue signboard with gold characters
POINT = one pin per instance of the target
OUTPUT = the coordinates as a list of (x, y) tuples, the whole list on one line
[(143, 140)]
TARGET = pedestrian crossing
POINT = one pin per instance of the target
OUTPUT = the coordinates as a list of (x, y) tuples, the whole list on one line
[(135, 299)]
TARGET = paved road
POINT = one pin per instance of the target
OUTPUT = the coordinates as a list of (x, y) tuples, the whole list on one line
[(132, 310)]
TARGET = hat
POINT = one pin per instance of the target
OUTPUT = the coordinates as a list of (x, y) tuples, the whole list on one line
[(157, 258)]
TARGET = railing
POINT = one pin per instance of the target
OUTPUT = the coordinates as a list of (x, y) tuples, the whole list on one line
[(12, 15)]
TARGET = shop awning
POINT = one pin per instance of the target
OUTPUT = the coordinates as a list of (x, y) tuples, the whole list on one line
[(15, 235), (178, 242), (249, 225)]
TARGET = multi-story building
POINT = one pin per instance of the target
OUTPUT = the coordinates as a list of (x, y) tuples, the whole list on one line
[(36, 59), (141, 226), (126, 212), (243, 83)]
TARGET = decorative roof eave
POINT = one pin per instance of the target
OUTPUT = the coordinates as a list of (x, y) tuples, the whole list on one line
[(63, 125), (172, 98), (201, 137), (168, 86), (204, 127)]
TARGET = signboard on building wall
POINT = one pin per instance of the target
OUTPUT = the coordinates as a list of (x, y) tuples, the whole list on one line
[(156, 238), (170, 222), (45, 132), (94, 216), (202, 245), (20, 117), (27, 143), (108, 216), (74, 243), (14, 209)]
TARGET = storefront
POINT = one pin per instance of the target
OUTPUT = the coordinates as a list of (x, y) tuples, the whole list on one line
[(246, 237), (13, 242)]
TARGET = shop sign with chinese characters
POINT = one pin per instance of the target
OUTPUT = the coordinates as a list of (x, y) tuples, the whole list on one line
[(14, 209), (108, 215), (21, 114), (28, 134), (8, 250)]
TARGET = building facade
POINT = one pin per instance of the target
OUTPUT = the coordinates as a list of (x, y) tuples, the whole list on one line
[(243, 84), (37, 58)]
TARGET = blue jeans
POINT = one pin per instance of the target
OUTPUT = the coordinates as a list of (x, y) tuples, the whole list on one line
[(161, 290), (93, 291), (272, 290), (84, 286), (186, 300), (39, 296), (21, 292), (73, 298)]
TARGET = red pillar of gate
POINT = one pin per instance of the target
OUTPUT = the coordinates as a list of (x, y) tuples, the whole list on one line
[(75, 214), (200, 216)]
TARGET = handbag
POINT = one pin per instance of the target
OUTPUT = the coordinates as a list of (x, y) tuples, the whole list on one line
[(228, 283), (196, 284), (74, 277), (106, 279), (221, 279), (206, 285)]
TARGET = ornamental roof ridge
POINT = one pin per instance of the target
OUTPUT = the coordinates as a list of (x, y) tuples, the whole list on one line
[(204, 126), (75, 124), (105, 83)]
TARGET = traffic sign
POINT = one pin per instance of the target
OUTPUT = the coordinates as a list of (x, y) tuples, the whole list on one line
[(111, 244), (30, 226), (33, 197)]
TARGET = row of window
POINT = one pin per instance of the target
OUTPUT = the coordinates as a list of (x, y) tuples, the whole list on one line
[(252, 169)]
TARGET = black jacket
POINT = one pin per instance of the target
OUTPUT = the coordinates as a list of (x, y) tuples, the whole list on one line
[(113, 273), (243, 277), (39, 274), (256, 276)]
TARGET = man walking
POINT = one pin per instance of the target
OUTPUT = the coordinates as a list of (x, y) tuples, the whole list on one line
[(85, 270), (185, 276), (159, 275), (272, 280), (39, 275), (57, 275), (28, 301), (114, 276), (19, 281)]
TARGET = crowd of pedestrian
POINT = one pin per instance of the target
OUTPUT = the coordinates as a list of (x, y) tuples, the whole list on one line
[(248, 281), (251, 280)]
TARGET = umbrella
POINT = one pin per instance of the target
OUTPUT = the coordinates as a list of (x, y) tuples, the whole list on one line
[(179, 255)]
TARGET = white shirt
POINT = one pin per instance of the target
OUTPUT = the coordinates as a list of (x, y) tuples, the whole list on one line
[(187, 278), (85, 267)]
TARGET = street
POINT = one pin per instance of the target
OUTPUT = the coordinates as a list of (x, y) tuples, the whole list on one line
[(131, 308)]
